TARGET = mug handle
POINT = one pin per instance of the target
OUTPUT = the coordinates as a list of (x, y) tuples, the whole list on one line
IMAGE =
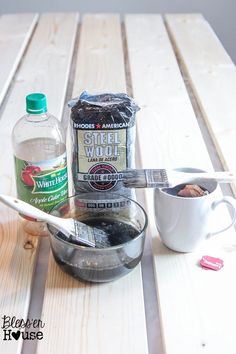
[(232, 203)]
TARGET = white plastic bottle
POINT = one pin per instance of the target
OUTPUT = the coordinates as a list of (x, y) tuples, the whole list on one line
[(40, 159)]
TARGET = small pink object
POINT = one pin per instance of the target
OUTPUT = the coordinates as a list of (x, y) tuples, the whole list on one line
[(209, 262)]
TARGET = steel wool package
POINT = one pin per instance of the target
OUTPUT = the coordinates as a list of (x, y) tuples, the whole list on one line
[(103, 134)]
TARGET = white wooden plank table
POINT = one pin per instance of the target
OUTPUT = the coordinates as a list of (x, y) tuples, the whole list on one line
[(185, 83)]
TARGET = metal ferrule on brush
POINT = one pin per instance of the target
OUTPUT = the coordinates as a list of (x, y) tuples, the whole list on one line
[(156, 178), (134, 179), (145, 178)]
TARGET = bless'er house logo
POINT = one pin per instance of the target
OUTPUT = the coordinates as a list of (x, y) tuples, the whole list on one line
[(16, 328)]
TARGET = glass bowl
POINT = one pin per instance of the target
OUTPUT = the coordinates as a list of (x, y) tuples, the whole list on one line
[(125, 222)]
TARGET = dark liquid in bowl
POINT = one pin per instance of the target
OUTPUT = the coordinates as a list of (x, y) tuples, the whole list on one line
[(97, 275), (117, 262)]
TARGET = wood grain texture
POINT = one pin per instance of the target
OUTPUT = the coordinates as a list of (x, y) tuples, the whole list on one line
[(212, 75), (15, 33), (100, 62), (84, 317), (44, 68), (197, 307), (164, 106)]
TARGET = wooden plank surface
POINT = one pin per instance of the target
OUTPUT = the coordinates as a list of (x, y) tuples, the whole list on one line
[(100, 64), (212, 75), (89, 318), (45, 68), (15, 33), (197, 307)]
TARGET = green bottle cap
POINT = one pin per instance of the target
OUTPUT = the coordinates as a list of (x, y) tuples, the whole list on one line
[(36, 103)]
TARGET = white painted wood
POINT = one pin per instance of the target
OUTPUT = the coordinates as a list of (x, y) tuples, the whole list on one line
[(45, 68), (15, 33), (213, 78), (197, 307), (84, 317)]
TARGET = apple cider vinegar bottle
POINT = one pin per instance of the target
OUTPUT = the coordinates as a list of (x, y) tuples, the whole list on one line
[(40, 158)]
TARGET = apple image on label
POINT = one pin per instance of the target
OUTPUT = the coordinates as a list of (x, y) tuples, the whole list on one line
[(27, 173)]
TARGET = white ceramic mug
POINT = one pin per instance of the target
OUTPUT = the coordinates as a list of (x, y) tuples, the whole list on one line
[(183, 223)]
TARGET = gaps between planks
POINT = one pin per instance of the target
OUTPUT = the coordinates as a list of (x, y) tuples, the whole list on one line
[(148, 278), (166, 263), (41, 266), (66, 111), (15, 94), (209, 142), (211, 73), (109, 77), (126, 62), (7, 92), (69, 92)]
